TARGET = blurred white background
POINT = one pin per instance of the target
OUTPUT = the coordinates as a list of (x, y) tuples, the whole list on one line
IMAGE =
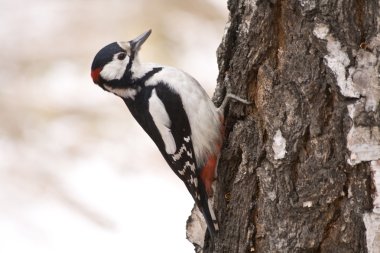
[(77, 174)]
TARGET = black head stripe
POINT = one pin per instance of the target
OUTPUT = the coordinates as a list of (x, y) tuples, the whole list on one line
[(105, 55)]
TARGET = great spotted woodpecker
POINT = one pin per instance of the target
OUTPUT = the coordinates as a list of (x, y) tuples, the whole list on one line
[(173, 109)]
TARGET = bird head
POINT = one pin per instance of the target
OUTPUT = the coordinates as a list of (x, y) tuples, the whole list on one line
[(116, 60)]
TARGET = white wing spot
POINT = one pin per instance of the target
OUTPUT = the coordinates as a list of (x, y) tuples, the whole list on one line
[(187, 165), (191, 165), (178, 155), (196, 182), (182, 172)]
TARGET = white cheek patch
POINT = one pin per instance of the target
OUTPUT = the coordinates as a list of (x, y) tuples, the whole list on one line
[(114, 69), (162, 122)]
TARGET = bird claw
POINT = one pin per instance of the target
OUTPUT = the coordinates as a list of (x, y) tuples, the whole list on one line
[(234, 97)]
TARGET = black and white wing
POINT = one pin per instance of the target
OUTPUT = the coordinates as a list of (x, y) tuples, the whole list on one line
[(175, 129)]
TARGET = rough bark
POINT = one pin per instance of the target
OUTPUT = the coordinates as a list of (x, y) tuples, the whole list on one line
[(290, 176)]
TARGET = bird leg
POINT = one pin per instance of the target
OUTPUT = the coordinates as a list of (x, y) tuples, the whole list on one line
[(234, 97)]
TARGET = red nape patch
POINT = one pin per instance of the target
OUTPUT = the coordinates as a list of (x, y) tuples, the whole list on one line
[(95, 74), (208, 174)]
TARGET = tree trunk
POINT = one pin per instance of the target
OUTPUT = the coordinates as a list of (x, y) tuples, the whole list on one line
[(295, 170)]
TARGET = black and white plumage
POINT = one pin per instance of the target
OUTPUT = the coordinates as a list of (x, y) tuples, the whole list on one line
[(173, 109)]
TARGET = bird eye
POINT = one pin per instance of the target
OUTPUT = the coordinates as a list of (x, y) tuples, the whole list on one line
[(121, 56)]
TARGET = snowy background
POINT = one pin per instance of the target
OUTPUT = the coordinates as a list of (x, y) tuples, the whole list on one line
[(77, 174)]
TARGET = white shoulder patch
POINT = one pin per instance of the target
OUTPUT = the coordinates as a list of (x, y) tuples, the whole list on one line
[(162, 121)]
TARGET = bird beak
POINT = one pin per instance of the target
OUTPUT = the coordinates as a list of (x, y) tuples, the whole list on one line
[(137, 42)]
